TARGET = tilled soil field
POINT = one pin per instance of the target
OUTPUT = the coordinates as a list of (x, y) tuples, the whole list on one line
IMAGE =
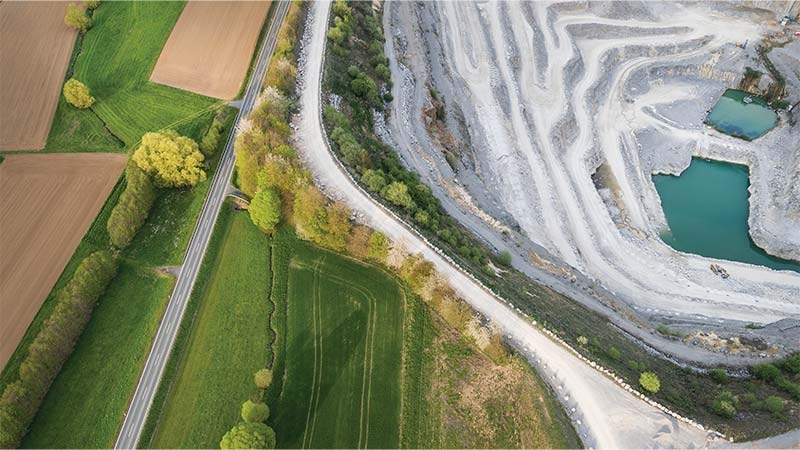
[(210, 47), (34, 50), (47, 203)]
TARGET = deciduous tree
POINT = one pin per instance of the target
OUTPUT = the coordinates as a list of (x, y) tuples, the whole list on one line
[(263, 378), (397, 193), (248, 436), (254, 411), (265, 210), (77, 18), (172, 160), (77, 94), (378, 246)]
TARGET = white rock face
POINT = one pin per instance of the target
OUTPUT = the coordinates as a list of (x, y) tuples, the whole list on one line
[(541, 94)]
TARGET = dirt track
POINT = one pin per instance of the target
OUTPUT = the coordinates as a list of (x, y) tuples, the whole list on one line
[(209, 49), (34, 50), (47, 202)]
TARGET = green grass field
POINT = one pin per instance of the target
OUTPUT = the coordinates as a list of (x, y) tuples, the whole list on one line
[(341, 359), (115, 61), (85, 404)]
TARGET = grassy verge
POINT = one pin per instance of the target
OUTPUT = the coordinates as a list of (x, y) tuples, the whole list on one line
[(116, 58), (228, 338), (456, 397)]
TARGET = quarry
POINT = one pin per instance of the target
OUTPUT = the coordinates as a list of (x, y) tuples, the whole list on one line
[(541, 127)]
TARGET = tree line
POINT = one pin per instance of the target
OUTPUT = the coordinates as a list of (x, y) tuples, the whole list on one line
[(53, 345)]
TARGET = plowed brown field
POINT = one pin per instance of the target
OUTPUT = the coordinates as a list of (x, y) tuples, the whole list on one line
[(47, 203), (34, 52), (210, 48)]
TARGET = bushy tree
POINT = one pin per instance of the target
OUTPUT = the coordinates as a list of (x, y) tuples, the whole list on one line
[(723, 408), (172, 160), (132, 208), (397, 192), (210, 140), (248, 435), (263, 378), (77, 94), (650, 382), (77, 18), (265, 210), (91, 4), (378, 246), (720, 376), (374, 180), (254, 411), (282, 75), (310, 214), (766, 372)]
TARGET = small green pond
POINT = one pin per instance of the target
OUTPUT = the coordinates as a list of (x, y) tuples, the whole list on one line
[(707, 209), (742, 115)]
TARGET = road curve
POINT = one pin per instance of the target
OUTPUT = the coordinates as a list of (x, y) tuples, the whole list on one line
[(604, 413), (168, 329)]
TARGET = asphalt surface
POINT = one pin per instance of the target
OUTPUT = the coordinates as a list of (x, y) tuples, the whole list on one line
[(170, 324)]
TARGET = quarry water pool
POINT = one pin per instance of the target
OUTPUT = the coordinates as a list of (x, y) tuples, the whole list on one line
[(742, 115), (707, 209)]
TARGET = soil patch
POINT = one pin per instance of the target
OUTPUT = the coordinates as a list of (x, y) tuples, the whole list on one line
[(34, 51), (47, 203), (210, 47)]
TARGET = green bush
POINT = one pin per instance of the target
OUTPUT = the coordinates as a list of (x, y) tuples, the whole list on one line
[(774, 405), (766, 372), (254, 412), (650, 382), (723, 409), (720, 376), (208, 145)]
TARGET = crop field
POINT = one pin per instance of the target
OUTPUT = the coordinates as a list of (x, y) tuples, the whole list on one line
[(115, 60), (47, 203), (339, 353), (228, 338), (34, 50), (209, 49)]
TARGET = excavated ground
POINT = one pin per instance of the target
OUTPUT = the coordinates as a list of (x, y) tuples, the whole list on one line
[(538, 96)]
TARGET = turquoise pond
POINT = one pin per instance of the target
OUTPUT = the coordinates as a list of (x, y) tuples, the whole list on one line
[(707, 209), (733, 115)]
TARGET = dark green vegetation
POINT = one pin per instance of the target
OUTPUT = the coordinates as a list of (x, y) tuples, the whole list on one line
[(338, 361), (225, 340), (358, 42), (355, 68), (114, 59), (707, 210)]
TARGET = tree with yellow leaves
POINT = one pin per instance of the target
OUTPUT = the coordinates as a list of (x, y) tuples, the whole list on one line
[(172, 160)]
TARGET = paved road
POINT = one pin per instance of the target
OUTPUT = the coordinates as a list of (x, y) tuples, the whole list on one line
[(168, 330)]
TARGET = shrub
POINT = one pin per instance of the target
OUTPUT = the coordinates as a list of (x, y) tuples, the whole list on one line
[(774, 405), (91, 4), (650, 382), (720, 376), (614, 354), (263, 378), (77, 18), (766, 372), (504, 258), (378, 246), (397, 193), (172, 160), (723, 409), (77, 94), (791, 364)]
